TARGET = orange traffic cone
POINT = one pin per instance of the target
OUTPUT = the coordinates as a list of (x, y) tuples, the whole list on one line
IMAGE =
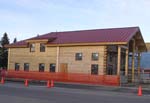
[(2, 80), (26, 82), (140, 91), (52, 83), (48, 84)]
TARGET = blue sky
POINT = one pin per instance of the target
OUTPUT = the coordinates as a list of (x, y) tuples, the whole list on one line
[(27, 18)]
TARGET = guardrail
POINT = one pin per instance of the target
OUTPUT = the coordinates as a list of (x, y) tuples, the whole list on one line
[(111, 80)]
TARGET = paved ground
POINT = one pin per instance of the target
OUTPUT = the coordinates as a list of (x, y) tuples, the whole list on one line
[(17, 93)]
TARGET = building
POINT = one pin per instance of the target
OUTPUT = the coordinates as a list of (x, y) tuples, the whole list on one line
[(145, 58), (96, 52)]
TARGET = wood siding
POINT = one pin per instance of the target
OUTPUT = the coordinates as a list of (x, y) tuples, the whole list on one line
[(66, 55), (23, 55)]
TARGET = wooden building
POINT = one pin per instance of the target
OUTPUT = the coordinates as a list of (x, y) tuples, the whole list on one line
[(96, 52), (148, 47)]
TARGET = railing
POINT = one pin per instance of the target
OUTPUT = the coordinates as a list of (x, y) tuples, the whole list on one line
[(143, 78), (66, 77)]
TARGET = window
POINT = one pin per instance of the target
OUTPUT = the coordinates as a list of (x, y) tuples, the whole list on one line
[(94, 69), (32, 47), (110, 57), (41, 67), (110, 69), (42, 47), (78, 56), (26, 66), (17, 66), (52, 67), (95, 56)]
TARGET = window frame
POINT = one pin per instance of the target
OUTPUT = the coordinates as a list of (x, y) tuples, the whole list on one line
[(42, 47), (41, 69), (32, 47), (78, 57), (94, 57), (51, 68), (94, 71), (26, 68), (17, 66)]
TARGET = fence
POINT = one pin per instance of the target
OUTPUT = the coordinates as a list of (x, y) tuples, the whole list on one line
[(111, 80), (145, 78), (139, 79)]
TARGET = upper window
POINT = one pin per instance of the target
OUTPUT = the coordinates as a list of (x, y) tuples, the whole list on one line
[(78, 56), (52, 67), (17, 66), (41, 67), (42, 47), (26, 66), (32, 47), (95, 56)]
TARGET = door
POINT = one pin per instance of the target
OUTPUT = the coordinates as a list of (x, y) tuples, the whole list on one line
[(64, 67)]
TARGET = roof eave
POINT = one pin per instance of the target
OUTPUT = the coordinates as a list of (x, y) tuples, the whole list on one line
[(36, 40), (16, 46), (89, 44)]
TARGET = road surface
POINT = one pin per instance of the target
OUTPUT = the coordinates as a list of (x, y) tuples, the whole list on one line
[(17, 93)]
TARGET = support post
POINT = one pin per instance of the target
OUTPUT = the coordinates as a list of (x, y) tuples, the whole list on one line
[(133, 58), (57, 60), (8, 65), (126, 63), (105, 60), (139, 58), (118, 63)]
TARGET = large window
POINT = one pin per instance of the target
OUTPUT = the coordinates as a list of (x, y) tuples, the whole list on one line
[(52, 67), (32, 47), (41, 67), (42, 47), (17, 66), (94, 69), (78, 56), (110, 57), (26, 66), (95, 56)]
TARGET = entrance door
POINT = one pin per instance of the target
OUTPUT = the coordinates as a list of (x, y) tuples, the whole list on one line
[(64, 67)]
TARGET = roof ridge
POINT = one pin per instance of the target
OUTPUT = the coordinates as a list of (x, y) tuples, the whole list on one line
[(94, 29)]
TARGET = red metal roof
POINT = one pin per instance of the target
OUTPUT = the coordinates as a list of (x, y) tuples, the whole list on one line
[(87, 36)]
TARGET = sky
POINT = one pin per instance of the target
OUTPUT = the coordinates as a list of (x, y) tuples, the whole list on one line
[(27, 18)]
